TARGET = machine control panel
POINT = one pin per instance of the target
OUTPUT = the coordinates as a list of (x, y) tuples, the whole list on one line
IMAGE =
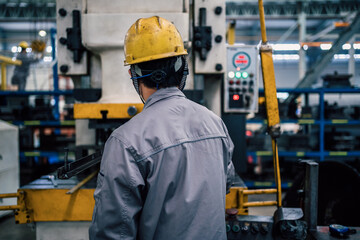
[(249, 227), (241, 80)]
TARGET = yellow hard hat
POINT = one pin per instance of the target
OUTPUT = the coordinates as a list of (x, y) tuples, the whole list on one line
[(23, 44), (150, 39)]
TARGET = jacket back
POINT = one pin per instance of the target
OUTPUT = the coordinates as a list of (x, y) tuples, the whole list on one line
[(170, 165)]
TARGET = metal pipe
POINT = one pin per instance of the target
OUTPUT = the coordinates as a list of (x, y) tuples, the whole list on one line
[(10, 60), (3, 76), (9, 195), (260, 204), (82, 183), (259, 191), (277, 171), (12, 207)]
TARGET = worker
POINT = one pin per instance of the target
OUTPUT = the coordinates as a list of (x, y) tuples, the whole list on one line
[(164, 173), (21, 72)]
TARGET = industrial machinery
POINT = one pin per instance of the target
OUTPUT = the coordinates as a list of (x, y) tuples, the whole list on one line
[(90, 41), (90, 46)]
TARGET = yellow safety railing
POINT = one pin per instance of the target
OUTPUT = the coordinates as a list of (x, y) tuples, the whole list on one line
[(4, 61), (10, 207)]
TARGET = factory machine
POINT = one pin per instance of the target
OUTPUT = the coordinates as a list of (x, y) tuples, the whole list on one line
[(90, 44)]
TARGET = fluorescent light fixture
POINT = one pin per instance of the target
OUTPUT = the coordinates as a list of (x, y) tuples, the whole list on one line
[(346, 46), (341, 56), (325, 46), (282, 95), (286, 57), (49, 49), (356, 45), (345, 56), (286, 47)]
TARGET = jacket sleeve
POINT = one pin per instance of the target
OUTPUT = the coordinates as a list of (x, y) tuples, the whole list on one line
[(229, 166), (230, 176), (117, 196)]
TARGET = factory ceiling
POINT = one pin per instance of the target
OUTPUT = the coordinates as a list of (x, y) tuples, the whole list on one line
[(281, 16)]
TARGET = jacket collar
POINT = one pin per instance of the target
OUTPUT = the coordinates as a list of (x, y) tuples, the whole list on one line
[(161, 94)]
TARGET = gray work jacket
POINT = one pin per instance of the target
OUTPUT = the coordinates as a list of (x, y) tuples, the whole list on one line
[(164, 174)]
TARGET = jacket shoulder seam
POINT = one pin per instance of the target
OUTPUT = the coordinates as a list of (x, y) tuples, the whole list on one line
[(175, 144)]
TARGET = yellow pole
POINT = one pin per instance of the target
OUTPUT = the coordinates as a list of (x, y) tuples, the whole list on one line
[(259, 191), (262, 22), (9, 195), (82, 183), (3, 76), (260, 204), (277, 171), (231, 33), (272, 108)]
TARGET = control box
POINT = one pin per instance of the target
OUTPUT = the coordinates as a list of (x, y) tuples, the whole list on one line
[(241, 84)]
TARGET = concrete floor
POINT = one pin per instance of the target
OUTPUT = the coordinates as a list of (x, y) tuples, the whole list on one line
[(11, 231)]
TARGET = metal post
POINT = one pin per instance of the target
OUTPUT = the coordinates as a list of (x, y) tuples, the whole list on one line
[(322, 125), (351, 66), (302, 37), (272, 108), (3, 76), (262, 22), (55, 75), (311, 194)]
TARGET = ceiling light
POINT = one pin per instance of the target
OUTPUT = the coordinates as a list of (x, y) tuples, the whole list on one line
[(42, 33)]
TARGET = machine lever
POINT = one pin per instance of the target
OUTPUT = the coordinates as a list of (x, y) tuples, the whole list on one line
[(51, 178), (74, 168)]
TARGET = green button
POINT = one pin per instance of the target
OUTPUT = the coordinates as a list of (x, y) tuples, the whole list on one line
[(236, 228), (238, 74), (245, 75), (228, 228)]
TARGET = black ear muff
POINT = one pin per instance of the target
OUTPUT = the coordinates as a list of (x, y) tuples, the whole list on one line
[(158, 76)]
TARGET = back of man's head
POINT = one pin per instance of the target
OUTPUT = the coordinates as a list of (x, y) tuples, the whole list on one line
[(161, 73)]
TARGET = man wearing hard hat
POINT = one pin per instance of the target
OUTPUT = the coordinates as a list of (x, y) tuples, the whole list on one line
[(164, 174), (21, 72)]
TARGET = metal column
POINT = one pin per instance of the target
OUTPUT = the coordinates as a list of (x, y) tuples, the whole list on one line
[(311, 193), (302, 37)]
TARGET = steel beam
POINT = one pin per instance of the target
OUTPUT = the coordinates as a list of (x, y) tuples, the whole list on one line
[(313, 73)]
